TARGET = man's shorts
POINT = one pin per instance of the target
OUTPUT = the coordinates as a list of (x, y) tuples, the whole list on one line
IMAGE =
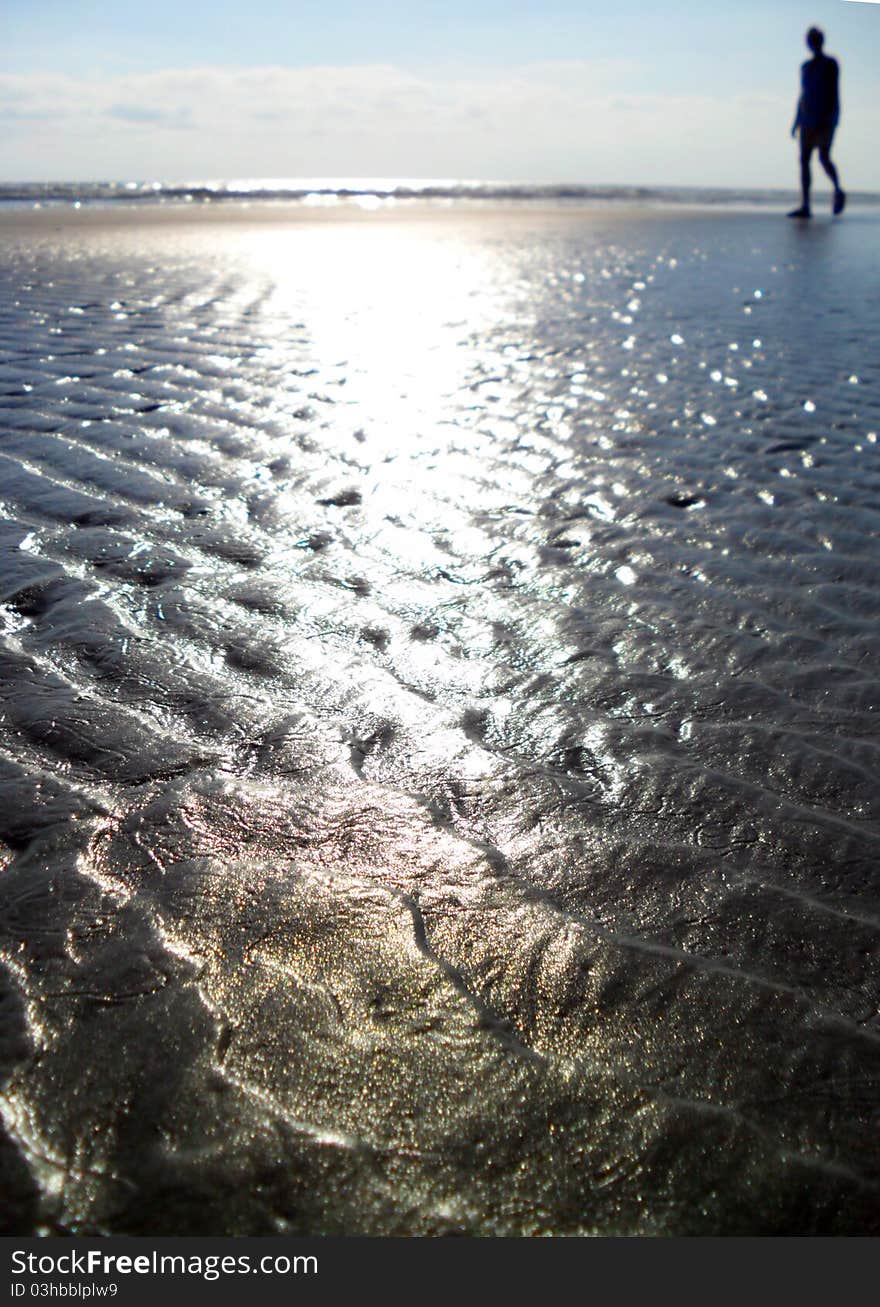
[(816, 138)]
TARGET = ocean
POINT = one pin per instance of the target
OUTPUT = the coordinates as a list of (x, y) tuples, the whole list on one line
[(370, 192)]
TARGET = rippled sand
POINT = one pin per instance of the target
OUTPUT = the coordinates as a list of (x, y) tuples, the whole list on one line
[(438, 762)]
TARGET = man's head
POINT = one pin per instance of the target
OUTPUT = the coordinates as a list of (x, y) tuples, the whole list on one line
[(815, 40)]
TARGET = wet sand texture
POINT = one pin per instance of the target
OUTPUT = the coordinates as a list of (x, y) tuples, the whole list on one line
[(438, 753)]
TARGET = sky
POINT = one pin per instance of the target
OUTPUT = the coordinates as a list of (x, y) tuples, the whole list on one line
[(618, 92)]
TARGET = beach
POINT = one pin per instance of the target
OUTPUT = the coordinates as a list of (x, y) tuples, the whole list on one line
[(438, 748)]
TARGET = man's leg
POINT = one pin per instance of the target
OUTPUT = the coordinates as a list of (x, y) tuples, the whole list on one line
[(806, 179), (825, 160), (804, 210), (839, 196)]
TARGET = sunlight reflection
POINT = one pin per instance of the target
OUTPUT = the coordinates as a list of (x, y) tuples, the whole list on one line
[(390, 307)]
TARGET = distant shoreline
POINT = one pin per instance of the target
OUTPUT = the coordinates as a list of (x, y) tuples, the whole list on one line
[(268, 213)]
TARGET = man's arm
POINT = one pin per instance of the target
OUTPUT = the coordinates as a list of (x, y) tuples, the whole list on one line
[(797, 118), (798, 107)]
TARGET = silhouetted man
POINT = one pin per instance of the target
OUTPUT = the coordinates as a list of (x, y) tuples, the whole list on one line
[(818, 110)]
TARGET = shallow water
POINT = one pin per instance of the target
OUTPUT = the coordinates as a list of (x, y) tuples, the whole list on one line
[(438, 762)]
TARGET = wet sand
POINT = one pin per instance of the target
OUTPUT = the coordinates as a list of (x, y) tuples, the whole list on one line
[(438, 751)]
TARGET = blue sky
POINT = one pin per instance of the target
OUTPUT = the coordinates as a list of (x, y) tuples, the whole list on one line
[(595, 92)]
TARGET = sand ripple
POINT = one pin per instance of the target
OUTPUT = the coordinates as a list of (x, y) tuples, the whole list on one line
[(438, 752)]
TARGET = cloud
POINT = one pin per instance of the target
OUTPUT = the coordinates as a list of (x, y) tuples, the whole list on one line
[(140, 115), (9, 113), (572, 120)]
